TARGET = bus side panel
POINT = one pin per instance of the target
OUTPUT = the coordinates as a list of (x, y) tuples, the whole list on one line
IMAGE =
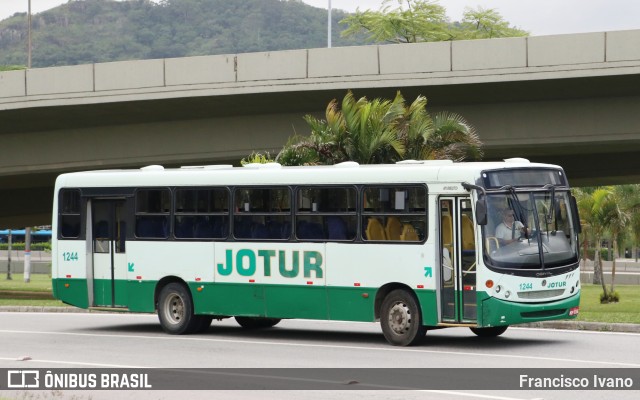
[(140, 295), (296, 301), (150, 261), (351, 303), (72, 291), (355, 273), (70, 272), (428, 300), (228, 299)]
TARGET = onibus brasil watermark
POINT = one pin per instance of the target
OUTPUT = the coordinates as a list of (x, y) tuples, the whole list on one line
[(32, 379)]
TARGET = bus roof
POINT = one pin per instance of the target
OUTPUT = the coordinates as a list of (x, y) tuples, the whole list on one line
[(262, 174)]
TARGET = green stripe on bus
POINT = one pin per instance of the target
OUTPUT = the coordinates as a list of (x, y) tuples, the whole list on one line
[(72, 291), (279, 301)]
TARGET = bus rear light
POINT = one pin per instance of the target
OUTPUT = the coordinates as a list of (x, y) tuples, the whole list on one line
[(574, 311), (489, 283), (468, 287)]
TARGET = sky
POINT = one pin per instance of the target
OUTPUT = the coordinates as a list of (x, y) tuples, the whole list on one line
[(538, 17)]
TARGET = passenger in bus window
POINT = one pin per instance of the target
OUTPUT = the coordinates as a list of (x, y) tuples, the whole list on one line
[(509, 230)]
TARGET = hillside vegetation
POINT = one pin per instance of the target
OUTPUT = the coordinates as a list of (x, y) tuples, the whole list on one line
[(87, 31)]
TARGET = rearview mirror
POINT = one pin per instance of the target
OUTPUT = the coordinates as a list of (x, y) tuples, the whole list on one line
[(481, 211)]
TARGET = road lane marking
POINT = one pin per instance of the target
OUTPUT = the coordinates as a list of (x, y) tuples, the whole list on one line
[(476, 395), (86, 364), (288, 344)]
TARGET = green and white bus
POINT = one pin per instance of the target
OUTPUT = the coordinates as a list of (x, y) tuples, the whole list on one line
[(412, 245)]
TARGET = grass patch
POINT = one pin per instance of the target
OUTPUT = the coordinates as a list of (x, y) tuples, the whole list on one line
[(627, 310), (39, 283), (31, 302)]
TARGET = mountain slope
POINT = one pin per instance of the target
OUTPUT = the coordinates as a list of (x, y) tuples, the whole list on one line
[(86, 31)]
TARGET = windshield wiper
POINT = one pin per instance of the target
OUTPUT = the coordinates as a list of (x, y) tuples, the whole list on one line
[(552, 207), (519, 211)]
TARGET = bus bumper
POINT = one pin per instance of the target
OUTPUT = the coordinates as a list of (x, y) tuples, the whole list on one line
[(496, 312)]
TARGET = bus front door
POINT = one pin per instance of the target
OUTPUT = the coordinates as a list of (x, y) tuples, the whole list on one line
[(458, 261), (108, 233)]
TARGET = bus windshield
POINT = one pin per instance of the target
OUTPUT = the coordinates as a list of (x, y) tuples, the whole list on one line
[(530, 230)]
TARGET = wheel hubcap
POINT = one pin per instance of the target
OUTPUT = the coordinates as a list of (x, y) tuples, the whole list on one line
[(400, 318), (174, 309)]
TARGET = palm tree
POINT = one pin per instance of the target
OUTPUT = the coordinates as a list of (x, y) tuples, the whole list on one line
[(605, 214), (381, 131), (585, 204), (598, 227), (617, 221)]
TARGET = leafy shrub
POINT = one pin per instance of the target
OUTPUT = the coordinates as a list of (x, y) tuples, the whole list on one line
[(611, 297)]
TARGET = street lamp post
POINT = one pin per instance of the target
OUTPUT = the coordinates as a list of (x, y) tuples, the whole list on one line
[(328, 27), (29, 39)]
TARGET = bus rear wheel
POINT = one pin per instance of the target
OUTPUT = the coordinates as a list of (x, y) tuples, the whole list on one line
[(256, 322), (489, 332), (400, 319), (175, 310)]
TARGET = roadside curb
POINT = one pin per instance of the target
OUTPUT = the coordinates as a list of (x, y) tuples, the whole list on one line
[(585, 326), (49, 309), (568, 325)]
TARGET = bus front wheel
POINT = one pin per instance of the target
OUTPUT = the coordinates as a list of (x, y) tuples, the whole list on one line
[(175, 310), (489, 332), (400, 319)]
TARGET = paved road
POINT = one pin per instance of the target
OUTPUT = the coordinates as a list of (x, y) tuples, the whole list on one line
[(47, 340)]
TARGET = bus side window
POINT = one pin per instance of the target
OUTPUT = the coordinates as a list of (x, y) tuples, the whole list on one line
[(201, 213), (69, 214), (326, 213), (394, 213), (262, 213), (152, 213)]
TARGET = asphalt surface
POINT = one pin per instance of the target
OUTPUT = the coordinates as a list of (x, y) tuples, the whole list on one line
[(571, 325)]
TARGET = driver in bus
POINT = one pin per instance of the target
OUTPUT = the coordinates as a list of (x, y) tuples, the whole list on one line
[(510, 229)]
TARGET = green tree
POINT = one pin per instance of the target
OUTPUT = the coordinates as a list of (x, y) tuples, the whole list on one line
[(381, 131), (413, 21), (585, 204), (602, 211), (426, 21), (482, 23), (632, 205), (598, 226), (617, 219)]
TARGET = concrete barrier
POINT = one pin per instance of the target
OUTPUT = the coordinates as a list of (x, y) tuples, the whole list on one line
[(17, 267)]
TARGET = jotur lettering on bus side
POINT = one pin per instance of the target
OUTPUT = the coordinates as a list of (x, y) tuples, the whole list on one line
[(288, 264)]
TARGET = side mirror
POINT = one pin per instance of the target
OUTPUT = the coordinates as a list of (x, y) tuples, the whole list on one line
[(481, 211)]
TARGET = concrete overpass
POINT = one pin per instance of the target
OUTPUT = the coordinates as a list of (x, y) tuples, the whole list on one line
[(573, 100)]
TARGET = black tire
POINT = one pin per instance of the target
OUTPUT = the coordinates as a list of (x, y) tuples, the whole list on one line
[(401, 319), (493, 331), (204, 323), (256, 322), (175, 310)]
